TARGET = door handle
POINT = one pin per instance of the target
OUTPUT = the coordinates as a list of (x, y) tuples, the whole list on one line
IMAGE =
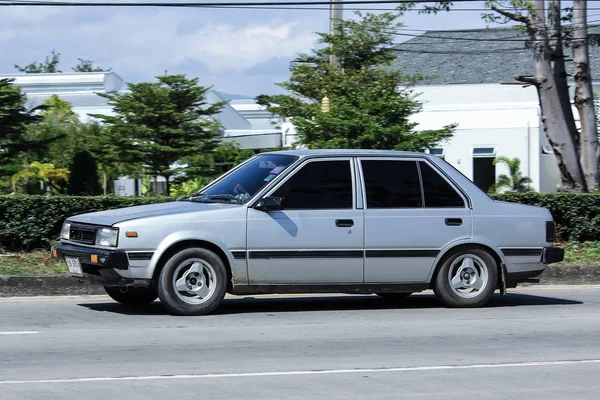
[(344, 223), (453, 221)]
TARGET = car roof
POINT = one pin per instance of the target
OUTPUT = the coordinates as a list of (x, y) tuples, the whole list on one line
[(347, 153)]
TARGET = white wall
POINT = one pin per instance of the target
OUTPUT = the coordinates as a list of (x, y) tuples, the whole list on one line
[(505, 117)]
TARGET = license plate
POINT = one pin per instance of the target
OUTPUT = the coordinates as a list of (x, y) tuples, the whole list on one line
[(74, 266)]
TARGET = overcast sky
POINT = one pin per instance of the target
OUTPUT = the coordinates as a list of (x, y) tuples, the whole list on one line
[(237, 51)]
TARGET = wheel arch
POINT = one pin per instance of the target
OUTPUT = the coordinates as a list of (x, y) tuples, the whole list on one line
[(183, 244), (494, 251)]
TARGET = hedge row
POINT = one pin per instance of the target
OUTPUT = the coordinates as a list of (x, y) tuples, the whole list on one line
[(577, 216), (28, 222)]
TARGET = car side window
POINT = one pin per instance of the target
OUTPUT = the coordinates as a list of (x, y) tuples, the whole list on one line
[(438, 192), (392, 184), (318, 185)]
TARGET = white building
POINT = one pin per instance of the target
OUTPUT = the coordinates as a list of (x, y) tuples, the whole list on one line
[(493, 120), (470, 80)]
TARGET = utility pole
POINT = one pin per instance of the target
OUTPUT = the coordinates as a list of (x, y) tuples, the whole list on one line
[(336, 14)]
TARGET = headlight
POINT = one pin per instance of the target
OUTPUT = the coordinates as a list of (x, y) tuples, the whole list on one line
[(107, 237), (65, 233)]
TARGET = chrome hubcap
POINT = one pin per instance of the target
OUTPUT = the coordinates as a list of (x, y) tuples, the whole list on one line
[(468, 276), (194, 281)]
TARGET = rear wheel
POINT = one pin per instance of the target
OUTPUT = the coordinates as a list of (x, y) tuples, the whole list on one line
[(467, 278), (192, 282), (132, 296)]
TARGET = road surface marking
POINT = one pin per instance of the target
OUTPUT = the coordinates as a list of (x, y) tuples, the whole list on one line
[(19, 333), (301, 372)]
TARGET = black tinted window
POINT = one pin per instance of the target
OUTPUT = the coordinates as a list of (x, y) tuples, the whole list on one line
[(438, 192), (319, 185), (392, 184)]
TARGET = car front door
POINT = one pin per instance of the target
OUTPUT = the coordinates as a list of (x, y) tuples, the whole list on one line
[(317, 236), (411, 213)]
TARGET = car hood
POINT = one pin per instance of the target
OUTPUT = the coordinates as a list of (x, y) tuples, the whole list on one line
[(111, 217)]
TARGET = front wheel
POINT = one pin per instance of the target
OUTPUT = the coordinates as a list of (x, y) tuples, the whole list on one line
[(192, 282), (467, 278), (131, 296)]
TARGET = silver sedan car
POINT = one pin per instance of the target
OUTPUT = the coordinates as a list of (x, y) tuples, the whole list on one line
[(315, 221)]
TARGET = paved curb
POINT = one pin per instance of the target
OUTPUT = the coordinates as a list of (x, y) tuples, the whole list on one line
[(65, 285), (45, 285)]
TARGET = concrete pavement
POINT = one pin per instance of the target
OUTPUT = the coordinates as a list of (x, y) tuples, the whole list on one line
[(534, 343)]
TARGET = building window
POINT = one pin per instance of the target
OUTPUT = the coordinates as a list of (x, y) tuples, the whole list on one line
[(438, 152), (484, 170)]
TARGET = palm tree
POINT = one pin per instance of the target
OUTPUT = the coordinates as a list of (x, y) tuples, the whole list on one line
[(514, 181)]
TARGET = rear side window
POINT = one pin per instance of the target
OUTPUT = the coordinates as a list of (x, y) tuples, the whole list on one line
[(438, 192), (392, 184), (318, 185)]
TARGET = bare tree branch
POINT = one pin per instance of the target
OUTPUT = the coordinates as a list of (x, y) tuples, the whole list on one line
[(532, 80), (509, 15)]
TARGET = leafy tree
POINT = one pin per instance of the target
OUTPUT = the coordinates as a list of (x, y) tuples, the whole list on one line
[(40, 178), (514, 181), (15, 143), (359, 103), (162, 122), (211, 164), (49, 66), (88, 66), (84, 175)]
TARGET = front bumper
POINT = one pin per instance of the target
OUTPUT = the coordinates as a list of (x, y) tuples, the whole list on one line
[(104, 271)]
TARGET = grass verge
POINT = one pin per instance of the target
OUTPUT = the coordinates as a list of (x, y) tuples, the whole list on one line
[(39, 262)]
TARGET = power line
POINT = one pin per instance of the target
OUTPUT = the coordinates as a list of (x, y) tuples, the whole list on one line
[(252, 4)]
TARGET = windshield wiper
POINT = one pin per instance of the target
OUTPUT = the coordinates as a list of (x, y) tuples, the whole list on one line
[(209, 197)]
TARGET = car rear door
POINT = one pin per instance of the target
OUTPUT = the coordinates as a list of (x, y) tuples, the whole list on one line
[(411, 213), (318, 236)]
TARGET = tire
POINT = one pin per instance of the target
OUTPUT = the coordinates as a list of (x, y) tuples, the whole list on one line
[(132, 296), (467, 278), (395, 297), (192, 282)]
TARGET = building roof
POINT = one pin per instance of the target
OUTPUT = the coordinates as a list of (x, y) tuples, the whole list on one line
[(474, 56)]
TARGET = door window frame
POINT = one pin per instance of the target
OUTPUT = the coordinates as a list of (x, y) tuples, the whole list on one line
[(416, 160), (298, 168)]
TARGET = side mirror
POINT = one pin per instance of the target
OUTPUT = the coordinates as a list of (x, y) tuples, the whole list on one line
[(271, 203)]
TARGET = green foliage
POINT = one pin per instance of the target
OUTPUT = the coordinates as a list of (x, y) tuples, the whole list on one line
[(157, 124), (514, 181), (211, 164), (88, 66), (29, 222), (84, 179), (15, 142), (367, 107), (40, 178), (577, 215), (49, 66), (188, 187)]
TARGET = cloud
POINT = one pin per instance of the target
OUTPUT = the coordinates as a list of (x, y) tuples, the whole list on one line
[(237, 51)]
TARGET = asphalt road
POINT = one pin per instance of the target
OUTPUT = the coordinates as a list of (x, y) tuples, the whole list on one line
[(532, 344)]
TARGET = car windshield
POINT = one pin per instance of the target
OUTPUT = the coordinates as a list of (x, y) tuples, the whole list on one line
[(242, 184)]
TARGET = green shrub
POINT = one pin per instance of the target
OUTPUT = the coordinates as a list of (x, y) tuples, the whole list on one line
[(577, 215), (30, 222)]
